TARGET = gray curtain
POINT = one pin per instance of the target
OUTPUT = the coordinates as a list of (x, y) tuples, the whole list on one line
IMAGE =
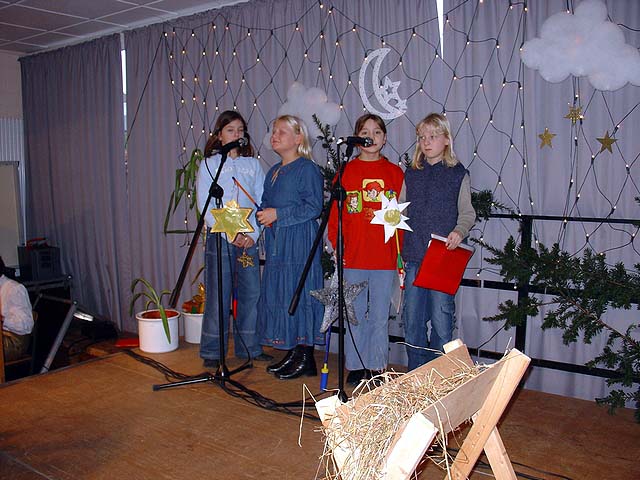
[(76, 191), (490, 143), (107, 214), (153, 148)]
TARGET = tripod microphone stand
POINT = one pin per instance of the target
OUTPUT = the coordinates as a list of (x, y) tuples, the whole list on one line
[(338, 195), (223, 373)]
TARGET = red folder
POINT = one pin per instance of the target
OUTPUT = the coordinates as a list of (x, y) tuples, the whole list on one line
[(442, 269)]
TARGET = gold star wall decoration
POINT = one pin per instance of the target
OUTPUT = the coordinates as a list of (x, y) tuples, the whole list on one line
[(575, 114), (546, 138), (232, 219), (606, 142)]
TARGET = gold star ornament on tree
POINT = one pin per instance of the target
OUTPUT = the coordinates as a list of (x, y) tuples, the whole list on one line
[(606, 142), (546, 138), (232, 219), (575, 114)]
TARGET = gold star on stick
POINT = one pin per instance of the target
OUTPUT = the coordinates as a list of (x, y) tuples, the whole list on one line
[(546, 138), (606, 142), (575, 114), (246, 260), (231, 219)]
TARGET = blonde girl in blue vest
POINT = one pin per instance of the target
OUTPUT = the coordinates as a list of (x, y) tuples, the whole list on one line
[(438, 187)]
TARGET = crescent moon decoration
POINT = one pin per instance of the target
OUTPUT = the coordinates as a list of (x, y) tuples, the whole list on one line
[(384, 93)]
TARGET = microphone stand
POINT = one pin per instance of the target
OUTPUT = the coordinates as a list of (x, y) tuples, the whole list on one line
[(338, 195), (223, 373)]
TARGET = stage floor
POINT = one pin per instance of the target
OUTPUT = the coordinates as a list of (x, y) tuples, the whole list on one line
[(101, 420)]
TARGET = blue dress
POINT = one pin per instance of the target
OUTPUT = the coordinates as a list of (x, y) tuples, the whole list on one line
[(295, 190)]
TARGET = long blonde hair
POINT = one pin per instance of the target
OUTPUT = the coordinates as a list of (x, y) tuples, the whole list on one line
[(299, 127), (441, 125)]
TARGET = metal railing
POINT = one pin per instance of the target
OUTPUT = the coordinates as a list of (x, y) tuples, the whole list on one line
[(526, 232)]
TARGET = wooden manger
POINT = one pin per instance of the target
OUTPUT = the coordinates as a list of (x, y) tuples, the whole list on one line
[(482, 398)]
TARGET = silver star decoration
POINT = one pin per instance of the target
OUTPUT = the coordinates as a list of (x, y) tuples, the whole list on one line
[(389, 91), (329, 298)]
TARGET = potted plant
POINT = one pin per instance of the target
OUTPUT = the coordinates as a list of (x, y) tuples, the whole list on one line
[(184, 189), (157, 326), (192, 312)]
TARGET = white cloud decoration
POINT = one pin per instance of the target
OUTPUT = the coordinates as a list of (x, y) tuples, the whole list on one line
[(303, 102), (583, 44)]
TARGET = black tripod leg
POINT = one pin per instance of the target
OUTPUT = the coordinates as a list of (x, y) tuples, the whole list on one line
[(189, 381)]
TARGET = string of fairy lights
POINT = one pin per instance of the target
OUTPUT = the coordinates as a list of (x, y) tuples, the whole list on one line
[(606, 143), (479, 83)]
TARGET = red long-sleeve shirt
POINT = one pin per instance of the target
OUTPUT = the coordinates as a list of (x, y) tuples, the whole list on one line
[(365, 182)]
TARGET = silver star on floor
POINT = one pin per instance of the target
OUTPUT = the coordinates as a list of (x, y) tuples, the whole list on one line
[(329, 298)]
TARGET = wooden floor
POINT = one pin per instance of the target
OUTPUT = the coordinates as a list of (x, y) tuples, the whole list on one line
[(101, 420)]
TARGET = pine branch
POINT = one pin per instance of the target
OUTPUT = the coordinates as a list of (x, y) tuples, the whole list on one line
[(484, 204), (583, 290), (329, 173), (406, 160)]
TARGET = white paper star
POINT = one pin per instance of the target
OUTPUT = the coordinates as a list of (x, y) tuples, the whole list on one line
[(390, 217), (329, 298)]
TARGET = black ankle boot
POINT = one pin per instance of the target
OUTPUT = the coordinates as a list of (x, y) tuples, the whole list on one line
[(302, 363), (286, 360), (355, 376)]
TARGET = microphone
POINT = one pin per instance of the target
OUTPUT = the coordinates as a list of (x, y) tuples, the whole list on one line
[(241, 142), (360, 141)]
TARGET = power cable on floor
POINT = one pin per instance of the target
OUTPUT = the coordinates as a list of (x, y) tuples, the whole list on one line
[(234, 388)]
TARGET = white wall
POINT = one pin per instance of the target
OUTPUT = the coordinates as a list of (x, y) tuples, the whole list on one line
[(10, 109), (10, 89)]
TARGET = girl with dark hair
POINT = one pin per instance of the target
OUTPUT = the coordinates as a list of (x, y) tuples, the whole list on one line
[(240, 254), (366, 255)]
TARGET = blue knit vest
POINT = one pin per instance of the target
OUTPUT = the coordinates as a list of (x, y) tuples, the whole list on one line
[(433, 193)]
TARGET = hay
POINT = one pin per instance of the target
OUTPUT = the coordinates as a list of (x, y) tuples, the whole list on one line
[(379, 408)]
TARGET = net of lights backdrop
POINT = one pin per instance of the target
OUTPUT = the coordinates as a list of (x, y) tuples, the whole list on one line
[(542, 148)]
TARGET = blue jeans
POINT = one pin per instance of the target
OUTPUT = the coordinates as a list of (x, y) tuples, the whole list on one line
[(248, 292), (371, 335), (422, 306)]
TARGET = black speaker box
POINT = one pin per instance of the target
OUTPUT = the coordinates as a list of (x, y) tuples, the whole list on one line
[(39, 263)]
